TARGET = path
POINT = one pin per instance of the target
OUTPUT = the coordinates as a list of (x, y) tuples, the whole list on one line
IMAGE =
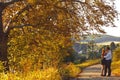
[(93, 73)]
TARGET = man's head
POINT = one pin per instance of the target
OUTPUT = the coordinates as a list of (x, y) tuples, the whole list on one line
[(107, 48)]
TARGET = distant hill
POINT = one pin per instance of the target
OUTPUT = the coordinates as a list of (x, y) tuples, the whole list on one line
[(102, 38), (99, 40)]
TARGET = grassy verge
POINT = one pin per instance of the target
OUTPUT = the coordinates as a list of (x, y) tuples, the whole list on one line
[(88, 63), (115, 65), (66, 71), (73, 70), (70, 70), (116, 68)]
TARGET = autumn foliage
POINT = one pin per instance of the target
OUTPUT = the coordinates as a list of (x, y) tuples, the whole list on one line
[(36, 34), (116, 62)]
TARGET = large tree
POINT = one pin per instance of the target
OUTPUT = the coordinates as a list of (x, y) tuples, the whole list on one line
[(58, 16)]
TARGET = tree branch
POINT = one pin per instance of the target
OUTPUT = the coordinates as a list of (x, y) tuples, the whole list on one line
[(11, 2), (19, 13), (22, 10)]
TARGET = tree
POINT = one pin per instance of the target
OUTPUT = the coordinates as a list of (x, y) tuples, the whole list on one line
[(36, 47), (58, 16), (113, 46)]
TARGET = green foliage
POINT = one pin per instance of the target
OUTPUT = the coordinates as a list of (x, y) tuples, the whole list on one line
[(80, 58), (93, 55), (83, 59)]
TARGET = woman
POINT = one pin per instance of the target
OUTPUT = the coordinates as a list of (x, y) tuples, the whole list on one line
[(103, 61)]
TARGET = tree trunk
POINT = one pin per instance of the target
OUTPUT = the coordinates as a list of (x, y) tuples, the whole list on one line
[(3, 50), (3, 43)]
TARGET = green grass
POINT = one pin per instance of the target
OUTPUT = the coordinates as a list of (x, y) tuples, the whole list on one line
[(88, 63)]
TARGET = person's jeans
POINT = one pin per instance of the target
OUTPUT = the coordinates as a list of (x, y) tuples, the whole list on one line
[(107, 67)]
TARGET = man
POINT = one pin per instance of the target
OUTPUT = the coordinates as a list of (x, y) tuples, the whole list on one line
[(108, 60)]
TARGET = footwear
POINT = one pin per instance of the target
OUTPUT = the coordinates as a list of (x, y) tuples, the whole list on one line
[(101, 74), (104, 75), (108, 75)]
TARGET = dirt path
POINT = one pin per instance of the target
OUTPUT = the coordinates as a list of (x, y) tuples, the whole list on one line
[(93, 73)]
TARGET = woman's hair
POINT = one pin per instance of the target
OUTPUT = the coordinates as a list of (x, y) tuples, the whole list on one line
[(103, 52)]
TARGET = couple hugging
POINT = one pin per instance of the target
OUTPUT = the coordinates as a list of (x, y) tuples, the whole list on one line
[(106, 58)]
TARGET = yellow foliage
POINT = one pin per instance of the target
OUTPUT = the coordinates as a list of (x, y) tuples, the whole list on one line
[(36, 47), (115, 68), (116, 54), (32, 1), (48, 74), (116, 72), (116, 62), (1, 66), (71, 70)]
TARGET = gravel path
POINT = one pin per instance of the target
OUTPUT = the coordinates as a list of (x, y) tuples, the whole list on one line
[(93, 73)]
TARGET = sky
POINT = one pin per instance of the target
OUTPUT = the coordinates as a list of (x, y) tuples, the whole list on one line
[(116, 30)]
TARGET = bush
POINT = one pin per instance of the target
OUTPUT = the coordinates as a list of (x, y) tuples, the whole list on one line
[(70, 70), (115, 69), (80, 59), (93, 55), (116, 62), (116, 54)]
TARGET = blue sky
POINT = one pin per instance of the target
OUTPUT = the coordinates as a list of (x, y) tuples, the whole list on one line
[(115, 31)]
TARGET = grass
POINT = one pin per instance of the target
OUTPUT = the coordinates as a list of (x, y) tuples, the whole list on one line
[(68, 70), (88, 63), (116, 68), (115, 65)]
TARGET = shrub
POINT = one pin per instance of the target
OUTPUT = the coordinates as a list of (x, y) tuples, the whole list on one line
[(116, 62), (115, 69), (93, 55), (116, 54), (70, 70)]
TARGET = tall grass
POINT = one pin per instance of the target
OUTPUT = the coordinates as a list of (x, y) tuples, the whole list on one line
[(51, 73), (116, 68), (88, 63), (116, 62)]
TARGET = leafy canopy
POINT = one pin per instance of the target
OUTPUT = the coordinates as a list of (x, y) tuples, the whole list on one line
[(60, 16)]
